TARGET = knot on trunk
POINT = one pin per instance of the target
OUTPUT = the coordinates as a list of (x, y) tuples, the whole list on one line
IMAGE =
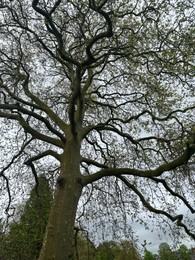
[(61, 182)]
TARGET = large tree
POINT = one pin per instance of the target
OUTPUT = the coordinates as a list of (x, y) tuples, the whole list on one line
[(104, 90)]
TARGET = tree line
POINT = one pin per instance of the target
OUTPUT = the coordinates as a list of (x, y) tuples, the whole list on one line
[(166, 253)]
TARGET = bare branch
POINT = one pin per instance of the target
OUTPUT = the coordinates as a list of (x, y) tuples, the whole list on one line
[(106, 34), (27, 128), (42, 155), (44, 106), (93, 162), (178, 219), (175, 194), (2, 172)]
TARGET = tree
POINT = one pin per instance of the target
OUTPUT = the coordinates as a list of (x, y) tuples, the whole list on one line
[(184, 253), (127, 250), (122, 250), (148, 255), (24, 240), (83, 248), (166, 253), (3, 254), (107, 250), (101, 93)]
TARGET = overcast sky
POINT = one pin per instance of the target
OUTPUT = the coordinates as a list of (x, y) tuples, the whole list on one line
[(155, 238)]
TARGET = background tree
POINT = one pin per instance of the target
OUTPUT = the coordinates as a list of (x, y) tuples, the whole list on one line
[(148, 255), (122, 250), (83, 248), (24, 240), (165, 252), (184, 253), (107, 250), (127, 250), (3, 241), (99, 94)]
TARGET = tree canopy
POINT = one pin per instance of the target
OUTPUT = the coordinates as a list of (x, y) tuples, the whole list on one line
[(165, 253), (99, 94)]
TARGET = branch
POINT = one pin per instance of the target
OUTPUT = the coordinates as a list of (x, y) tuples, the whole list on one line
[(30, 161), (92, 162), (44, 106), (19, 100), (2, 172), (106, 127), (175, 194), (35, 115), (52, 29), (56, 4), (181, 160), (27, 128), (31, 165), (154, 118), (42, 155), (106, 34), (75, 104), (177, 218), (49, 19)]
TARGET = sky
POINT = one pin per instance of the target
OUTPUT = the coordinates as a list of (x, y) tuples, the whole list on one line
[(155, 238)]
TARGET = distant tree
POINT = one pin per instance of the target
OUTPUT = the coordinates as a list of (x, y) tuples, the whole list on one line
[(2, 243), (106, 250), (148, 255), (25, 237), (192, 253), (83, 248), (111, 250), (127, 250), (184, 253), (165, 252)]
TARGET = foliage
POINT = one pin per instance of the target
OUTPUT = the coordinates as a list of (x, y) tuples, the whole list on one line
[(165, 252), (148, 255), (184, 253), (83, 248), (3, 255), (25, 238), (111, 250)]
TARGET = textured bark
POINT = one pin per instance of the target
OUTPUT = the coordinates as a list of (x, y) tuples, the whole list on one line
[(60, 229)]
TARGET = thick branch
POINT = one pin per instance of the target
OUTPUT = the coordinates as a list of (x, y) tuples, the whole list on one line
[(44, 106), (75, 107), (181, 160), (106, 34), (52, 29), (42, 155), (95, 163)]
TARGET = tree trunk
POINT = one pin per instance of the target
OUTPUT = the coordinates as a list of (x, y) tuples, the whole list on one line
[(58, 239)]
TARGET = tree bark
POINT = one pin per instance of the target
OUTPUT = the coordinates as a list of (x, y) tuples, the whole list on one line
[(58, 239)]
